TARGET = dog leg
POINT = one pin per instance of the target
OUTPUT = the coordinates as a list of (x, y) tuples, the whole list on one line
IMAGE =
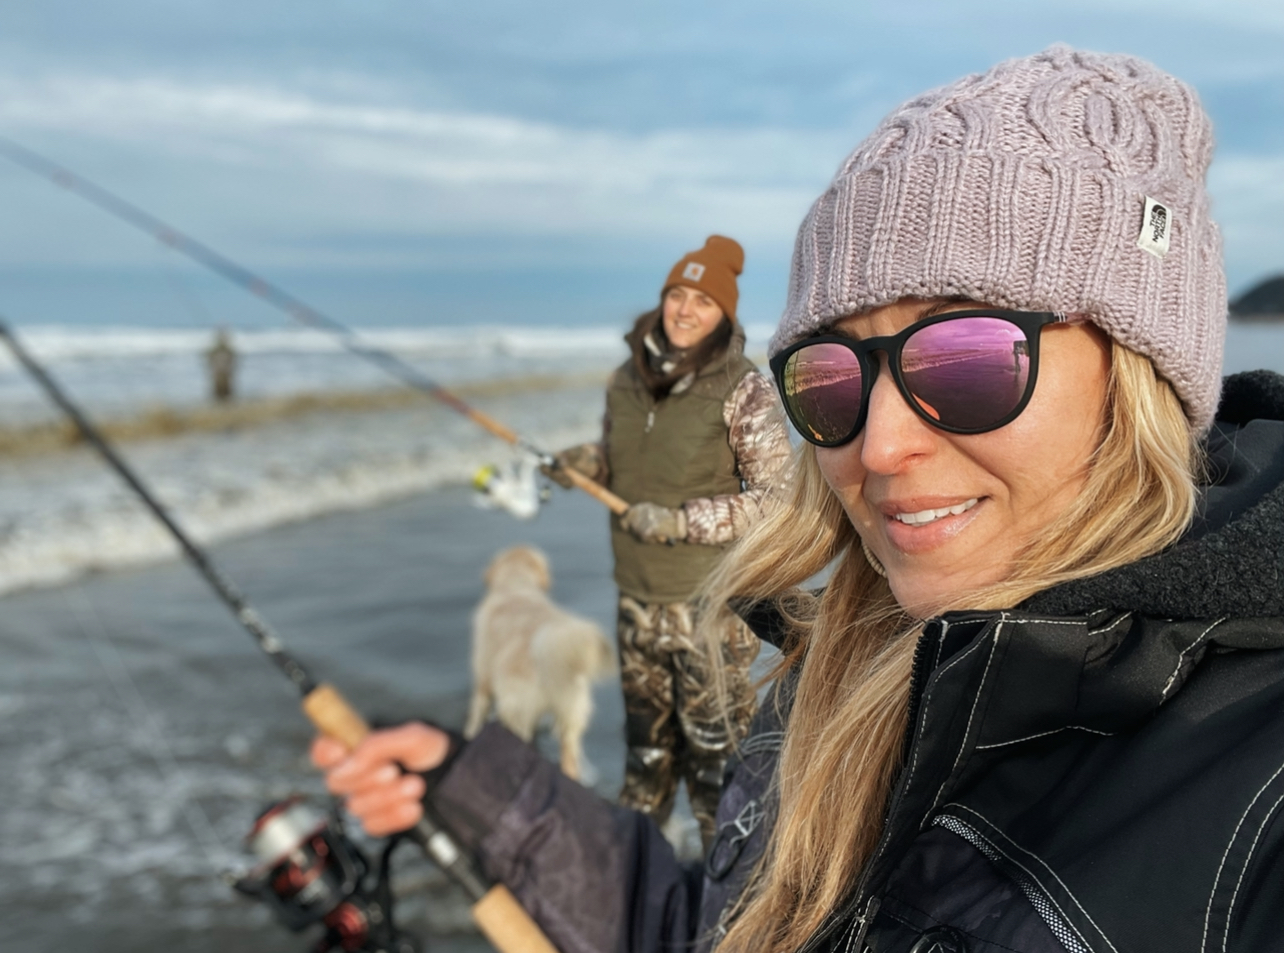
[(571, 721), (478, 709)]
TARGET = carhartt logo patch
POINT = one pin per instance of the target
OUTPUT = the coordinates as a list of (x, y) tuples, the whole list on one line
[(1156, 227), (694, 271)]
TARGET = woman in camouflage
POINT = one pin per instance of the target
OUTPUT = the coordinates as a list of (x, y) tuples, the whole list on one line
[(693, 437)]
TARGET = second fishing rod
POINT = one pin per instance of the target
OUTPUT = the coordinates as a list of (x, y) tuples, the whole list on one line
[(297, 309), (496, 911)]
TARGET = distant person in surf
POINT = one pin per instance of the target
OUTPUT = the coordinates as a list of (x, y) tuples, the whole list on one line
[(221, 361), (693, 436)]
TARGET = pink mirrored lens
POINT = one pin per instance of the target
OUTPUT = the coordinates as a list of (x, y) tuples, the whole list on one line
[(822, 385), (970, 373)]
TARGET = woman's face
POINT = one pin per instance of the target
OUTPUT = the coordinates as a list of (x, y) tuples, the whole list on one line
[(690, 316), (1014, 481)]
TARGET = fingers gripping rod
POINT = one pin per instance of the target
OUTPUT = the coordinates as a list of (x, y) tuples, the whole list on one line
[(497, 912), (282, 300)]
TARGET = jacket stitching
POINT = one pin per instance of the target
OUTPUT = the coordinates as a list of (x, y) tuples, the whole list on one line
[(1044, 734), (1226, 853), (1181, 659), (1114, 624), (927, 702), (1024, 620), (1230, 909), (967, 730), (1045, 866), (849, 936), (762, 743)]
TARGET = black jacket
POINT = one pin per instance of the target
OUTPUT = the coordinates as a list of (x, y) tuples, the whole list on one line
[(1101, 769)]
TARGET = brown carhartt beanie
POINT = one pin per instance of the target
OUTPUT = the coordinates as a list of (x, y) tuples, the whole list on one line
[(1067, 181), (713, 270)]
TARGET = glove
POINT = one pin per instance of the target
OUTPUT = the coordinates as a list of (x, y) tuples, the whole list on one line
[(585, 458), (653, 523)]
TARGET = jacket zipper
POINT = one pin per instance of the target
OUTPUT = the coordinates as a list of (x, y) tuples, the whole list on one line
[(866, 918), (918, 680)]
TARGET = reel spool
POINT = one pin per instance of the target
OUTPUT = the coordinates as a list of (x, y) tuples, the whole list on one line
[(512, 488), (310, 872)]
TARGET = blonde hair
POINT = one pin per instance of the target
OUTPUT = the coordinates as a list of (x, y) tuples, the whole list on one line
[(856, 646)]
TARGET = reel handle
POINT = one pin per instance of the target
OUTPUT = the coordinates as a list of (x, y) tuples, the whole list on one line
[(497, 913)]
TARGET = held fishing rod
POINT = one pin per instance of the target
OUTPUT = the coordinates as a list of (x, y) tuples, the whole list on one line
[(297, 309), (496, 911)]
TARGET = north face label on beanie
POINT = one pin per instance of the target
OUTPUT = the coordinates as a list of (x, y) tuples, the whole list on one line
[(1156, 226), (694, 271)]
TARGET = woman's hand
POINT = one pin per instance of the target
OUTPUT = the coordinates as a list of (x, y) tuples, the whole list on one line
[(378, 791), (585, 458), (653, 523)]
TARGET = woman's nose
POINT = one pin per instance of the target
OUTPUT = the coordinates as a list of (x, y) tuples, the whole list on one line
[(893, 435)]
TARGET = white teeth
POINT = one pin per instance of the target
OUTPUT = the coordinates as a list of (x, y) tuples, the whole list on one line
[(928, 516)]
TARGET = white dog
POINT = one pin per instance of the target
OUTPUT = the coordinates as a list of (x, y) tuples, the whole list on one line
[(531, 657)]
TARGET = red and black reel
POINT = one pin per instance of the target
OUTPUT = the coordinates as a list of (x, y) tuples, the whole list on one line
[(310, 872)]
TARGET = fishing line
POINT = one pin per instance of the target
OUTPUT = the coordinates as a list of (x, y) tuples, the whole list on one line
[(296, 308), (177, 282), (113, 666)]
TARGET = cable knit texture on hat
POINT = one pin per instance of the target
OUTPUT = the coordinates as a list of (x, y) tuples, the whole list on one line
[(1026, 187), (713, 270)]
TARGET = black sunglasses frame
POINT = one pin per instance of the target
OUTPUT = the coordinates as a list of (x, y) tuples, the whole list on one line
[(1030, 324)]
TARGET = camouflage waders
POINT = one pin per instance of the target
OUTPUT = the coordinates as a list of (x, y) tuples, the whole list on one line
[(674, 725)]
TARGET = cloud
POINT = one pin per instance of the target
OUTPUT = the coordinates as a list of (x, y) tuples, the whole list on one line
[(476, 171), (338, 177)]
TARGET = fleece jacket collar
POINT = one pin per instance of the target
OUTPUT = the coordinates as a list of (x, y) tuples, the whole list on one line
[(1231, 562)]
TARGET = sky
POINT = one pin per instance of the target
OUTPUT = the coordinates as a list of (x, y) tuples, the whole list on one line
[(513, 162)]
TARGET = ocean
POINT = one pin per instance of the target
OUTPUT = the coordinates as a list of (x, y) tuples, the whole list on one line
[(143, 731)]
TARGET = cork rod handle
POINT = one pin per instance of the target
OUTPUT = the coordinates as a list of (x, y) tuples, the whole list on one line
[(330, 712), (596, 490), (498, 915), (507, 925)]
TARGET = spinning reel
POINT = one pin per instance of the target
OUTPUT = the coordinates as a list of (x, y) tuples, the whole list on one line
[(513, 488), (310, 872)]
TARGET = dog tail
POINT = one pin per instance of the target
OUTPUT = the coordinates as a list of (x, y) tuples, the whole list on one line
[(577, 647), (606, 666)]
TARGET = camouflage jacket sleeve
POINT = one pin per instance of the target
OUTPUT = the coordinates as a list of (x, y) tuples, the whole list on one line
[(760, 441)]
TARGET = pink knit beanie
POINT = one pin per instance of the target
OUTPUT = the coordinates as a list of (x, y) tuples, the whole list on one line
[(1066, 181)]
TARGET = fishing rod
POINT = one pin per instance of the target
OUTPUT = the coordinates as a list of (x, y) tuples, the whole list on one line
[(295, 308), (498, 914)]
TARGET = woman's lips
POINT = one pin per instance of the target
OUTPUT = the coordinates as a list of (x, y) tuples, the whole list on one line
[(926, 527)]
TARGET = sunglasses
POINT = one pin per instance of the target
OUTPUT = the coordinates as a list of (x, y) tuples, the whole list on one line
[(963, 372)]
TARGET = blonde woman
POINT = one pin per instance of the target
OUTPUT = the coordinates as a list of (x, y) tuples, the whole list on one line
[(1039, 706)]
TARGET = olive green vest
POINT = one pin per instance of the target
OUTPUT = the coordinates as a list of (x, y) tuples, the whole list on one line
[(667, 452)]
